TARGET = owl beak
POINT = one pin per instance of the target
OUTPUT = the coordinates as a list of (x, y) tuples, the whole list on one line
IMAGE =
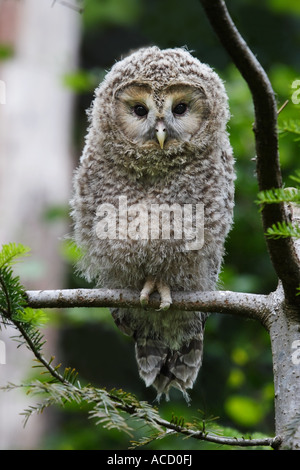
[(160, 133)]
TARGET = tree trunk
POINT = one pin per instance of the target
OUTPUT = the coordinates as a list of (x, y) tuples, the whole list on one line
[(284, 329), (285, 340), (35, 167)]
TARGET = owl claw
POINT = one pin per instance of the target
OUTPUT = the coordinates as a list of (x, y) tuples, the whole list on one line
[(144, 300), (165, 296), (164, 305), (148, 288), (164, 291)]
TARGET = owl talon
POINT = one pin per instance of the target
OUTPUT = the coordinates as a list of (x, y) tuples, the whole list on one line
[(163, 290), (165, 296), (144, 300), (164, 306), (148, 288)]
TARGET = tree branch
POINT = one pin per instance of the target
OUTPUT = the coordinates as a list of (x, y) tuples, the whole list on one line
[(221, 440), (140, 411), (253, 306), (245, 305), (282, 252)]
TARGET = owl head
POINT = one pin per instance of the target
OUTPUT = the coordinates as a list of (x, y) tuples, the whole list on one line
[(156, 109)]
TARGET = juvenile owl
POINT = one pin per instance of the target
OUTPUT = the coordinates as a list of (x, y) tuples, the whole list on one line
[(153, 201)]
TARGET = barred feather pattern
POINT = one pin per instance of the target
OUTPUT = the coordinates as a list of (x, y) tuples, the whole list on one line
[(168, 346), (165, 368)]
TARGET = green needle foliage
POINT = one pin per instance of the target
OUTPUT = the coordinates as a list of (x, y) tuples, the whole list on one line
[(291, 127), (283, 230), (13, 305), (110, 409), (275, 196), (59, 387), (289, 196)]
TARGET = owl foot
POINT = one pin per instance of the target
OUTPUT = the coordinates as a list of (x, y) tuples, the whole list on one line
[(165, 296), (164, 291), (148, 288)]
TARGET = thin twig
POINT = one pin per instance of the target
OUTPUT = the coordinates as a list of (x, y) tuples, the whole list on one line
[(282, 107), (273, 442), (137, 412), (52, 370)]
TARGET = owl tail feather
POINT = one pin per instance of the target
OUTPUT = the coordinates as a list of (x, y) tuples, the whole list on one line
[(165, 368)]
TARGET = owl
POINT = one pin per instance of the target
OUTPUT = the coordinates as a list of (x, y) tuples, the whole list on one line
[(153, 201)]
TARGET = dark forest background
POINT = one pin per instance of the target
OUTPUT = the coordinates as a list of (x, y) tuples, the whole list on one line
[(235, 384)]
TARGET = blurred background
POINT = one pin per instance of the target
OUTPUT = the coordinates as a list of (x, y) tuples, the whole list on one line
[(52, 56)]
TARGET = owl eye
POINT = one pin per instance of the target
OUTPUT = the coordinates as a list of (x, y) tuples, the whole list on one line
[(140, 110), (180, 108)]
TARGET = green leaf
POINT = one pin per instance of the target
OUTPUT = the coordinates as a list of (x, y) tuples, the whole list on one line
[(236, 378), (244, 410), (6, 51), (296, 176), (288, 6), (13, 305), (82, 81), (283, 230), (11, 252), (121, 12), (276, 196), (240, 356), (70, 251), (35, 317), (290, 127)]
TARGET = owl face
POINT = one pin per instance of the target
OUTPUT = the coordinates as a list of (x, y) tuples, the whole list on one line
[(155, 112), (160, 117)]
